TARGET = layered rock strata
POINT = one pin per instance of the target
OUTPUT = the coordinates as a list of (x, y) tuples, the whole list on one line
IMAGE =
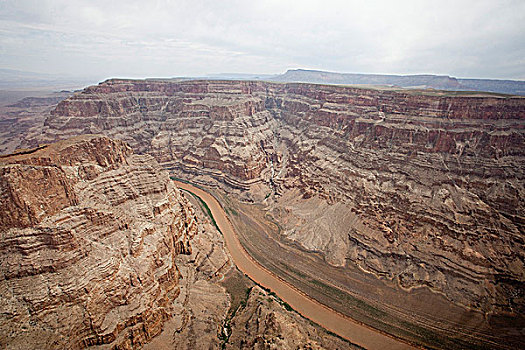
[(207, 317), (423, 188), (201, 308), (21, 123), (89, 237), (267, 323)]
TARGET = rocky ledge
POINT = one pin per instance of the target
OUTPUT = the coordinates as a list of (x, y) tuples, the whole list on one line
[(89, 235)]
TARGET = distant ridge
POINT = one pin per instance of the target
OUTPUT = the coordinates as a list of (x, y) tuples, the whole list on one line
[(425, 81), (12, 79)]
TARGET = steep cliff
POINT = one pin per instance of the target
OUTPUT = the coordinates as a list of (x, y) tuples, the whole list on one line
[(89, 235), (419, 187), (266, 323)]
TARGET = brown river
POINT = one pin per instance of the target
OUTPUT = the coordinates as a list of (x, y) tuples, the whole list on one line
[(309, 308)]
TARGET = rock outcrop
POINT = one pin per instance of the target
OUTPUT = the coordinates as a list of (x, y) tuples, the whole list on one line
[(89, 237), (266, 322), (201, 308), (423, 188)]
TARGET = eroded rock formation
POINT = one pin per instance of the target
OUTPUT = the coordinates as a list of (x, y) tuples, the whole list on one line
[(21, 122), (89, 236), (423, 189), (205, 317), (266, 323)]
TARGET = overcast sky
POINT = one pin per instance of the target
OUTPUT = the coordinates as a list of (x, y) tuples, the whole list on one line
[(118, 38)]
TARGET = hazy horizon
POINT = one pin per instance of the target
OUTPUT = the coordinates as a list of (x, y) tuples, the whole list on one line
[(134, 39)]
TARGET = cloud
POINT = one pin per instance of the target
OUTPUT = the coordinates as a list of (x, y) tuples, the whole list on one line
[(174, 38)]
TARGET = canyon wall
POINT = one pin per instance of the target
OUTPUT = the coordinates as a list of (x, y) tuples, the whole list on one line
[(422, 188), (89, 236), (266, 323), (21, 123)]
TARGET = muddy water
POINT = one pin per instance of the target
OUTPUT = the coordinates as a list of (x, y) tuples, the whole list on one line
[(311, 309)]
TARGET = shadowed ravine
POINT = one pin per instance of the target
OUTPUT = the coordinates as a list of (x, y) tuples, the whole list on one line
[(307, 307)]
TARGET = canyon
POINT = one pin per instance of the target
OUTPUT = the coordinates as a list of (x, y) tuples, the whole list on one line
[(418, 189), (100, 249), (295, 299), (426, 189)]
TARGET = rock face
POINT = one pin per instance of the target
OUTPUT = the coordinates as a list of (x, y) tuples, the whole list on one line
[(90, 234), (265, 323), (423, 188), (21, 122), (201, 307)]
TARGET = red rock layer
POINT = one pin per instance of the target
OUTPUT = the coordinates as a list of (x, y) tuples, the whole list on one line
[(89, 233)]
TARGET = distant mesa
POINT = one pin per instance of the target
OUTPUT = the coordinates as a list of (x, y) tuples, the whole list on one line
[(424, 81)]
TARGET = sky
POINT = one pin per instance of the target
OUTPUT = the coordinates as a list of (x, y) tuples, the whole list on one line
[(162, 38)]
